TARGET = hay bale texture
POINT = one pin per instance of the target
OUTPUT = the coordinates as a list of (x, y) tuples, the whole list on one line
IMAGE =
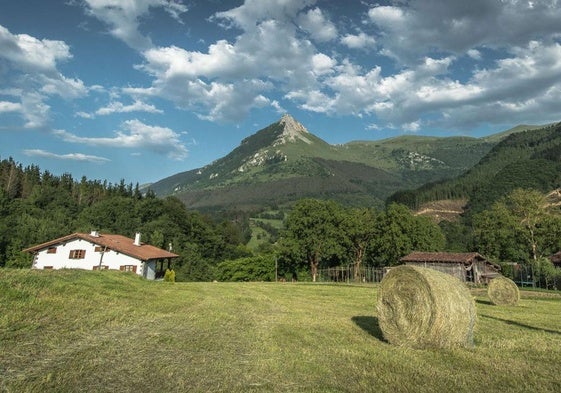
[(424, 308), (502, 291)]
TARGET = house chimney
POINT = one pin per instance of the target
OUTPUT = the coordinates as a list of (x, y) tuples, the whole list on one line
[(94, 233), (137, 239)]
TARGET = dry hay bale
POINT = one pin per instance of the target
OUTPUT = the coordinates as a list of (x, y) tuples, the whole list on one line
[(424, 308), (503, 291)]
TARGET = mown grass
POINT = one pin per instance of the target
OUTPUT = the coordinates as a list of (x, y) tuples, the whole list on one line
[(78, 331)]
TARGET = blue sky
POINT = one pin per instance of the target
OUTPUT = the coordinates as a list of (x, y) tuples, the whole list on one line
[(143, 89)]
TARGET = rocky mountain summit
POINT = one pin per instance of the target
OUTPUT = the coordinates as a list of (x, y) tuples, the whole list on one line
[(292, 131)]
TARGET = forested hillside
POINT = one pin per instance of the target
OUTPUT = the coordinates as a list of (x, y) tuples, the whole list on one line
[(529, 159), (37, 206)]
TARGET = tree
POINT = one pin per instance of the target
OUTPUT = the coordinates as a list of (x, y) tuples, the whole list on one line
[(399, 233), (528, 207), (520, 226), (495, 235), (157, 238), (359, 226), (313, 232)]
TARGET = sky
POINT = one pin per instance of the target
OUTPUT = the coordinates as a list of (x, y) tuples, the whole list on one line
[(143, 89)]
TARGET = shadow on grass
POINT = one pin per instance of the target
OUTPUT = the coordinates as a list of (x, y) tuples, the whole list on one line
[(370, 325), (487, 302), (522, 325)]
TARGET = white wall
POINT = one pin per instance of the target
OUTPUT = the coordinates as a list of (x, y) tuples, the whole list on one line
[(150, 270), (61, 260)]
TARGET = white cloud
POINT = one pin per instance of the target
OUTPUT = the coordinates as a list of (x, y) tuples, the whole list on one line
[(62, 86), (7, 106), (279, 109), (474, 54), (322, 64), (387, 15), (320, 28), (412, 127), (429, 43), (85, 115), (35, 111), (30, 73), (66, 157), (136, 134), (229, 80), (124, 17), (252, 12), (358, 41), (31, 54), (119, 107), (314, 100), (420, 27)]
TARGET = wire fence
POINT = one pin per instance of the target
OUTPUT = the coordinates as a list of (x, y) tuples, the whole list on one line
[(349, 274), (523, 275)]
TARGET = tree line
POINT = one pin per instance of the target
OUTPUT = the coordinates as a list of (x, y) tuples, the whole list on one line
[(37, 206), (521, 229), (323, 233)]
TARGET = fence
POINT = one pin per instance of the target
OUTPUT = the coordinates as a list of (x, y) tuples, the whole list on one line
[(347, 274)]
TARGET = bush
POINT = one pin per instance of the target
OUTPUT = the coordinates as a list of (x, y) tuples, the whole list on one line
[(169, 275), (259, 268)]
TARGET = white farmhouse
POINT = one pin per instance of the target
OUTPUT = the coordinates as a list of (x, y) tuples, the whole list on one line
[(95, 251)]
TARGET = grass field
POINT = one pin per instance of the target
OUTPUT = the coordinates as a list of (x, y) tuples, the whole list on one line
[(78, 331)]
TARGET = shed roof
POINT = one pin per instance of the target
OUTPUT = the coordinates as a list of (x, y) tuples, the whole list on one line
[(556, 258), (119, 243), (444, 257)]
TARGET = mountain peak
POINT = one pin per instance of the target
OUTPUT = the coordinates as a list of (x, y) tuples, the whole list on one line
[(292, 130)]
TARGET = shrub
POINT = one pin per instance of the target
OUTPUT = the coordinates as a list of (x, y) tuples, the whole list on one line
[(169, 275)]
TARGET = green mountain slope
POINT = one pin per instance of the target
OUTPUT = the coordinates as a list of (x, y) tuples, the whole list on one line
[(284, 162), (526, 159)]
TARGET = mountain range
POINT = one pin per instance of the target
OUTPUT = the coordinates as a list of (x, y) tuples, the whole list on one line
[(285, 162)]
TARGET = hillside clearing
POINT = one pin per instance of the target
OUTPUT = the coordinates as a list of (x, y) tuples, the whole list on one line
[(75, 331)]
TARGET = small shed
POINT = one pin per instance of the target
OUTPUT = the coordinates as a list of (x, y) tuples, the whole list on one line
[(556, 259), (469, 267)]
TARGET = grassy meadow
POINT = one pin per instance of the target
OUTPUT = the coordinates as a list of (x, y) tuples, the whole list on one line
[(79, 331)]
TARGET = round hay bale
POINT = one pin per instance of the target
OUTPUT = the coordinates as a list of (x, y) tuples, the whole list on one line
[(503, 291), (424, 308)]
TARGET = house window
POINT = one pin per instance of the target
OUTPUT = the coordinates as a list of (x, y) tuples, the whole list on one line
[(103, 267), (77, 254), (47, 267), (128, 268), (101, 249), (51, 250)]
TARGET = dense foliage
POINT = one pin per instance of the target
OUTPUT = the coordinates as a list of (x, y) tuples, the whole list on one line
[(529, 160), (323, 233), (521, 227), (36, 207), (256, 268)]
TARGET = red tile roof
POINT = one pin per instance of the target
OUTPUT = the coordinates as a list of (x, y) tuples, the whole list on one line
[(118, 243), (443, 257), (556, 258)]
